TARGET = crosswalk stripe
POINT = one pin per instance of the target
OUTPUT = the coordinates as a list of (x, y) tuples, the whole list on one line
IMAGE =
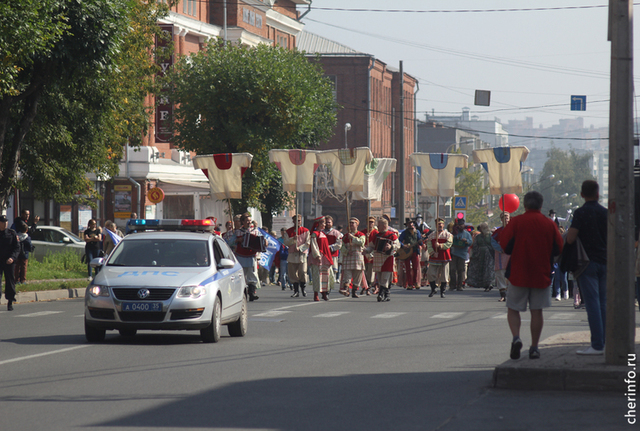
[(38, 314), (332, 314), (387, 315), (450, 315), (272, 313)]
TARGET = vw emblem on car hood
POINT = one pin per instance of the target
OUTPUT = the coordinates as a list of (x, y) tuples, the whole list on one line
[(143, 293)]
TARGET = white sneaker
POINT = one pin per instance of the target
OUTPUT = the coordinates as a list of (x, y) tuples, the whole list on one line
[(565, 295), (590, 351), (557, 298), (89, 278)]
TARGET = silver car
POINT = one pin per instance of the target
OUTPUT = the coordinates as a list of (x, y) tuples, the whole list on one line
[(167, 280), (55, 239)]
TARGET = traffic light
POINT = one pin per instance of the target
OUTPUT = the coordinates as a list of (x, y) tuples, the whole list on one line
[(461, 214)]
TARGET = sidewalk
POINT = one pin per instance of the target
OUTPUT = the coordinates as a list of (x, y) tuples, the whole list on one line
[(561, 369)]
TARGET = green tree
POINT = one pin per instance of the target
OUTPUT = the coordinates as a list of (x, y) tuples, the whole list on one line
[(72, 98), (243, 99), (572, 169), (470, 184)]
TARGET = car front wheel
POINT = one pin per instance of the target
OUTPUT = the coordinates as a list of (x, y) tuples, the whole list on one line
[(93, 335), (211, 334), (239, 327)]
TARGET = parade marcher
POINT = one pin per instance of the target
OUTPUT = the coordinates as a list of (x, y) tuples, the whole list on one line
[(459, 255), (320, 261), (438, 244), (481, 264), (501, 259), (230, 236), (384, 246), (334, 236), (370, 232), (590, 226), (410, 241), (9, 250), (298, 243), (532, 240), (353, 258), (247, 256)]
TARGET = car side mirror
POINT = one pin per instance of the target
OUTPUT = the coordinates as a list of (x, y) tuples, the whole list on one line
[(226, 263), (66, 239), (96, 262)]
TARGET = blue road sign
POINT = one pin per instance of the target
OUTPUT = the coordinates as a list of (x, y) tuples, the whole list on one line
[(578, 103), (460, 202)]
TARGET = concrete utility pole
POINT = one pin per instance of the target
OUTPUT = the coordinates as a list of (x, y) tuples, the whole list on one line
[(620, 333), (402, 193)]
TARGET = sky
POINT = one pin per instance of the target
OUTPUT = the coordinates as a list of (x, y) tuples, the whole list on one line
[(532, 61)]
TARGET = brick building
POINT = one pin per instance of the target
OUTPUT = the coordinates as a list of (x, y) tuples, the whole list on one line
[(370, 93)]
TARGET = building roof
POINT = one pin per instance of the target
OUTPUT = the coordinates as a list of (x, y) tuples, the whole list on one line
[(315, 44)]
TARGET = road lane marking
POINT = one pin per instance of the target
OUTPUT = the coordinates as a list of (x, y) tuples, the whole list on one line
[(387, 315), (450, 315), (562, 316), (304, 304), (332, 314), (40, 313), (53, 352), (500, 316), (272, 313)]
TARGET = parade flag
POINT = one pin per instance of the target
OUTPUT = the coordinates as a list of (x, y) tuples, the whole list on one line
[(297, 168), (504, 165), (224, 172), (347, 167), (438, 172), (375, 173)]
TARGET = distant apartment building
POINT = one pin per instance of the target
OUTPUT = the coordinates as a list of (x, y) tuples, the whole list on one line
[(490, 131), (378, 102)]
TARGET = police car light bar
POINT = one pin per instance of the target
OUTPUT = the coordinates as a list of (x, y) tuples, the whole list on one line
[(135, 225)]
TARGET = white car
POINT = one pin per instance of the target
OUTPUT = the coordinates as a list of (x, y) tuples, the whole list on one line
[(172, 275), (55, 239)]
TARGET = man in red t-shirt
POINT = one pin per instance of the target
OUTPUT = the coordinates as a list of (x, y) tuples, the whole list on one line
[(532, 239)]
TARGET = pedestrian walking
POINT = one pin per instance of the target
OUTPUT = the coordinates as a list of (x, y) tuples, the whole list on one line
[(589, 224), (532, 240), (92, 238), (481, 264), (320, 261), (439, 244), (501, 259), (353, 258), (247, 255), (24, 240), (384, 248), (459, 255), (298, 243), (9, 250)]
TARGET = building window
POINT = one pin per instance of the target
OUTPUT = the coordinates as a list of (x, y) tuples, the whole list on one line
[(189, 7)]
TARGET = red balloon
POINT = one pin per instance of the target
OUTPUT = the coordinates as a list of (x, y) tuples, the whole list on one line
[(511, 203)]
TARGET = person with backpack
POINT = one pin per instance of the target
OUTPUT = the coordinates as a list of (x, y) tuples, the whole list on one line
[(24, 241)]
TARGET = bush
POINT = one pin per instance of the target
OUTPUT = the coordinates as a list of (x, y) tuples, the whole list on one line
[(57, 266)]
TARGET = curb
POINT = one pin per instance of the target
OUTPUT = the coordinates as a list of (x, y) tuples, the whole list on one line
[(46, 295), (561, 369)]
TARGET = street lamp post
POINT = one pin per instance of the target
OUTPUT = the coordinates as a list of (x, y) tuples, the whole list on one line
[(347, 127)]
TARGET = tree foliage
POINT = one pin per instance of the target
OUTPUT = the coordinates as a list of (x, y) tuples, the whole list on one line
[(470, 183), (572, 169), (250, 99), (75, 94)]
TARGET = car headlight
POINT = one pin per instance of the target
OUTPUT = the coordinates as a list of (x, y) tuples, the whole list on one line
[(191, 292), (97, 290)]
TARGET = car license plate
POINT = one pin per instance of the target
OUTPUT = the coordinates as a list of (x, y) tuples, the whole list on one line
[(142, 306)]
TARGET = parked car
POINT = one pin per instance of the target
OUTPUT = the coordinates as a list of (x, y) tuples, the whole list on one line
[(55, 239), (170, 275)]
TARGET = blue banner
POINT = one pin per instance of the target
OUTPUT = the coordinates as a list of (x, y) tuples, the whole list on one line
[(273, 246)]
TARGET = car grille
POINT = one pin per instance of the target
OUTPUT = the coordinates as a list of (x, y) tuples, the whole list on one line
[(102, 313), (138, 316), (131, 294)]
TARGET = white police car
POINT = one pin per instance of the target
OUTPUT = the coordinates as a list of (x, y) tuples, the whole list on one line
[(171, 275)]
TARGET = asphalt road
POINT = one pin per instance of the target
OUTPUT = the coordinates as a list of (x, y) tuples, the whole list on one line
[(415, 363)]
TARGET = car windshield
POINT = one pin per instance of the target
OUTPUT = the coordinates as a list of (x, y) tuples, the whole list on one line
[(161, 252), (71, 234)]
